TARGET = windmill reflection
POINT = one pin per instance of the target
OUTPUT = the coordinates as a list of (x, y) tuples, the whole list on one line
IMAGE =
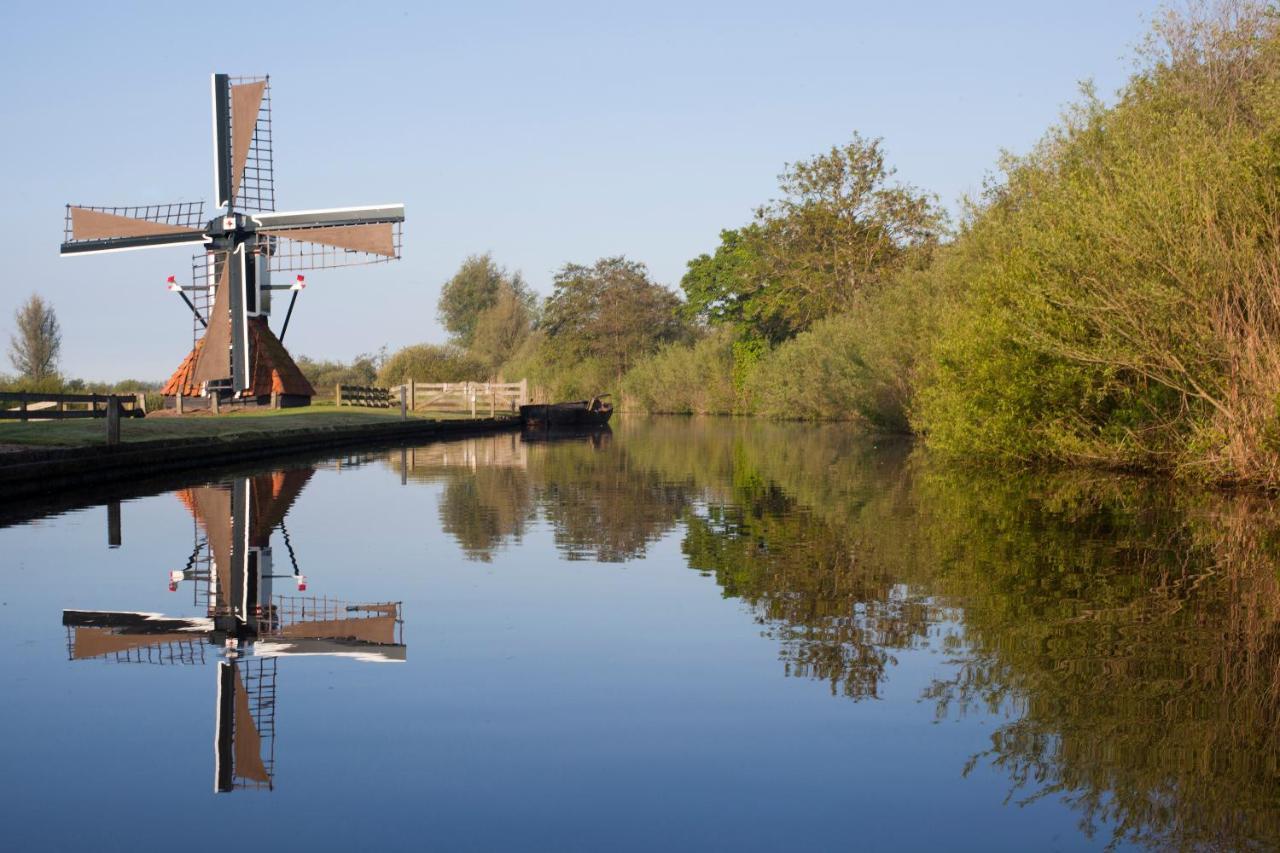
[(248, 627)]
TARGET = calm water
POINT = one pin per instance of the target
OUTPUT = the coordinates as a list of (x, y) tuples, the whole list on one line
[(684, 635)]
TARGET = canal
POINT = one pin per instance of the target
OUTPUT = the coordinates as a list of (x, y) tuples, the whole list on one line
[(680, 635)]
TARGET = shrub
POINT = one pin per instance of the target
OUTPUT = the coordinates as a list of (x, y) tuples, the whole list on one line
[(693, 378), (323, 375), (431, 363)]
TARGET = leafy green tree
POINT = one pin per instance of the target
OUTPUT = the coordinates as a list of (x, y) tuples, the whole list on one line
[(717, 287), (476, 287), (841, 227), (610, 311), (501, 329), (35, 345)]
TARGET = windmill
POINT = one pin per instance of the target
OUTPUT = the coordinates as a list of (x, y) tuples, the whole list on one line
[(235, 355)]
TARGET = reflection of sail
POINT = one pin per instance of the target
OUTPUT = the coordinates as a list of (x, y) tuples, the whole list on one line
[(99, 642), (134, 637), (245, 722), (310, 625), (211, 505)]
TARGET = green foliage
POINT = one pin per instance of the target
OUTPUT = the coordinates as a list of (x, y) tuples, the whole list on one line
[(610, 313), (554, 377), (863, 365), (692, 378), (840, 228), (502, 329), (1120, 301), (716, 287), (477, 286), (431, 363)]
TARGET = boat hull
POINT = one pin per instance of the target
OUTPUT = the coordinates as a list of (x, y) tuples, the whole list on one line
[(576, 414)]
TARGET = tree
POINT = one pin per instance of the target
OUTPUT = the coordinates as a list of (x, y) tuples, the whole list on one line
[(475, 288), (34, 348), (612, 312), (840, 228), (716, 286), (502, 329)]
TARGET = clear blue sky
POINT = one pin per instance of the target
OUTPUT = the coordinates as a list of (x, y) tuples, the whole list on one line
[(545, 133)]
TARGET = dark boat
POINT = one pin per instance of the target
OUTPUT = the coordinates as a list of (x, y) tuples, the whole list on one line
[(579, 413)]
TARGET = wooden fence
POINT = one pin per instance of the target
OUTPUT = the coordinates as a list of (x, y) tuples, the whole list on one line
[(473, 398), (365, 396), (35, 406)]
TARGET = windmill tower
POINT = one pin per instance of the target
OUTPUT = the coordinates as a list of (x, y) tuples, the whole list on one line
[(235, 355)]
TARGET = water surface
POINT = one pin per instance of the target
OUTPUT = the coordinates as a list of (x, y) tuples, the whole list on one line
[(681, 635)]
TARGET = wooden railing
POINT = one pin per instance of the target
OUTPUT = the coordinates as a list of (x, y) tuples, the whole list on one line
[(364, 395), (33, 405), (37, 406), (474, 398)]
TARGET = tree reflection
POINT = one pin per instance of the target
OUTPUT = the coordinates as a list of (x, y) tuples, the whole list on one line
[(1125, 633), (1135, 639)]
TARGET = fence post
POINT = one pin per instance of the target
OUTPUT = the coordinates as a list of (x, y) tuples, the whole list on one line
[(337, 395), (179, 399), (22, 405), (493, 401), (113, 524), (140, 402), (471, 392), (113, 420), (213, 402), (404, 402), (524, 392), (413, 394)]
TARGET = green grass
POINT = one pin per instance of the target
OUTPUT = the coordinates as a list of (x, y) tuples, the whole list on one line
[(81, 433)]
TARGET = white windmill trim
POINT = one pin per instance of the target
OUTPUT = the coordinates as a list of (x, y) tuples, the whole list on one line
[(198, 239)]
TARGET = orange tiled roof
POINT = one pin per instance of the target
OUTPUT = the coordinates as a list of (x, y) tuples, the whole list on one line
[(272, 368)]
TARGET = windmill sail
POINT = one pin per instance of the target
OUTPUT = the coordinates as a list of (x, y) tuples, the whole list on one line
[(313, 239), (243, 174), (213, 361), (106, 229)]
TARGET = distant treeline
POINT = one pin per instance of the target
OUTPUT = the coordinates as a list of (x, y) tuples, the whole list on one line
[(1111, 298)]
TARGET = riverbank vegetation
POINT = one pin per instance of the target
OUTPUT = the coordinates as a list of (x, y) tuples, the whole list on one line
[(1111, 298)]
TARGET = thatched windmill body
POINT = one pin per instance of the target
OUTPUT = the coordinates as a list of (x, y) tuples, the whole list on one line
[(235, 355)]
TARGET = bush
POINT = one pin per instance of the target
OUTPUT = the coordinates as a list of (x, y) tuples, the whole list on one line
[(693, 378), (1121, 300), (864, 365), (431, 363), (555, 376)]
